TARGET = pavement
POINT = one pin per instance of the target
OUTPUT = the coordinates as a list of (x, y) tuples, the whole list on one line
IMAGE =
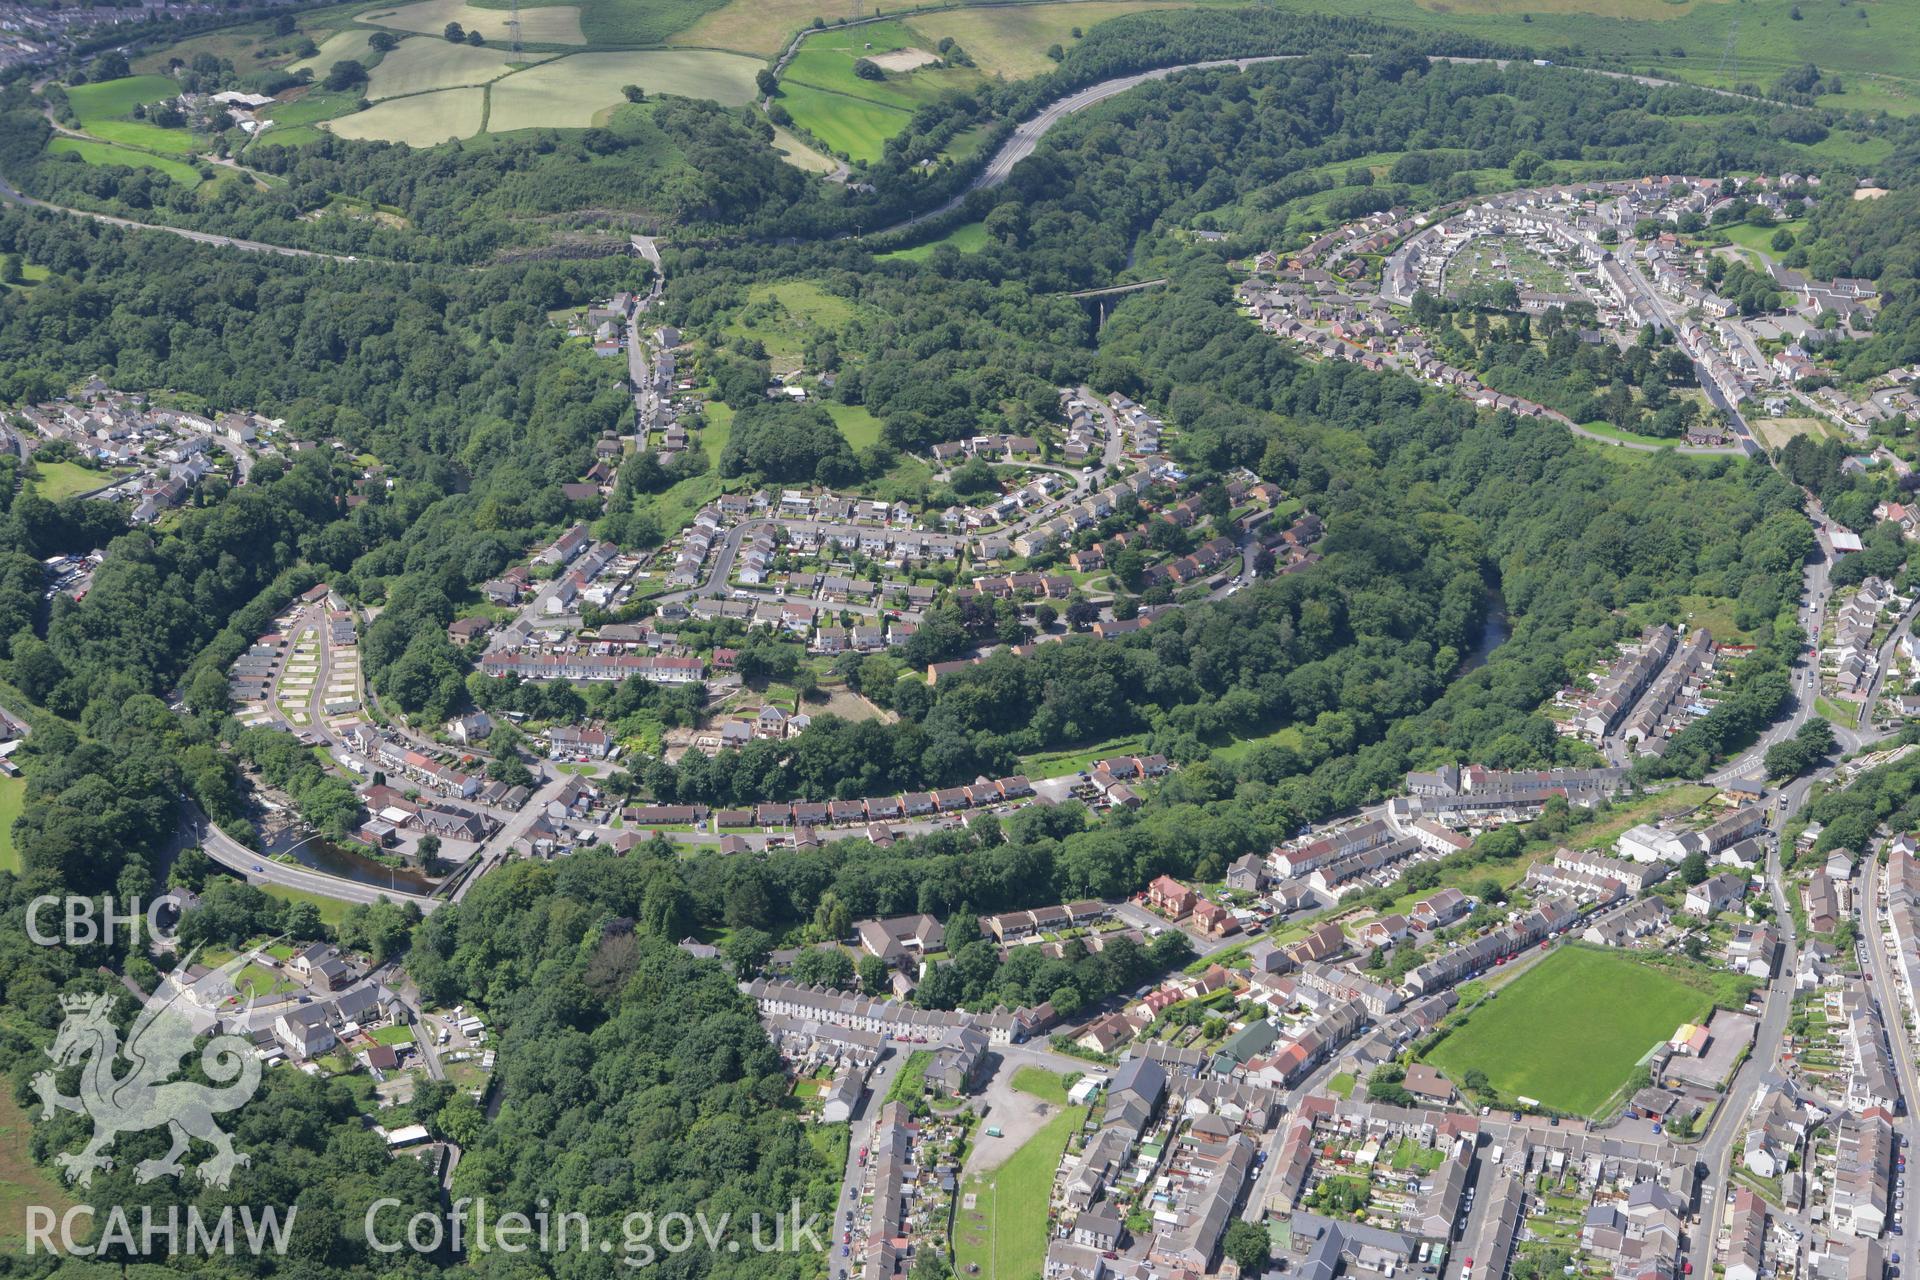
[(859, 1138), (1715, 1149), (1893, 1012), (500, 845)]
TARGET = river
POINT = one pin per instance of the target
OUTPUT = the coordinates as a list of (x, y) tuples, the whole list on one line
[(1494, 632), (321, 854)]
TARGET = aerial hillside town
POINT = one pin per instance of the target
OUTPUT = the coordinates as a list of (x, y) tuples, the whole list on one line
[(746, 640)]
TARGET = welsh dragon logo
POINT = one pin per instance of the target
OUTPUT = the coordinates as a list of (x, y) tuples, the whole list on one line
[(146, 1097)]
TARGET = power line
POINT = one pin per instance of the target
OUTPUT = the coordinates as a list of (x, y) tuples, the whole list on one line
[(1729, 55)]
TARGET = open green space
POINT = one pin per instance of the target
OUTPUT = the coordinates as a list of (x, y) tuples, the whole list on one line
[(910, 73), (110, 99), (1844, 714), (1057, 764), (420, 121), (57, 480), (824, 92), (570, 92), (547, 24), (785, 316), (1760, 239), (1008, 41), (393, 1037), (423, 64), (145, 134), (1611, 432), (13, 797), (1011, 41), (719, 430), (106, 110), (853, 127), (912, 1078), (349, 45), (1003, 1235), (1287, 735), (23, 1183), (1048, 1086), (332, 910), (968, 237), (1570, 1030), (294, 120), (628, 22), (831, 1143), (1715, 613), (1689, 39), (856, 423), (257, 982)]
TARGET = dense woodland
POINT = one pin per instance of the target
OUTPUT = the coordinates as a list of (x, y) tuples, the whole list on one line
[(634, 1076)]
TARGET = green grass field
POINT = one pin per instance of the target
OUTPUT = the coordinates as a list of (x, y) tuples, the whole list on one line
[(571, 92), (990, 1243), (294, 121), (1570, 1030), (332, 910), (142, 133), (420, 121), (549, 24), (1011, 41), (393, 1037), (629, 22), (856, 423), (1612, 432), (1057, 764), (1715, 613), (1840, 712), (105, 153), (257, 982), (13, 797), (826, 64), (423, 64), (1287, 735), (968, 237), (342, 46), (853, 127), (31, 274), (1045, 1085), (1881, 68), (22, 1182), (111, 99), (104, 109), (826, 61), (1760, 239), (59, 480)]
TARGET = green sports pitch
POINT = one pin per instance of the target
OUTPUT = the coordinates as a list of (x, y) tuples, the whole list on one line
[(1570, 1030)]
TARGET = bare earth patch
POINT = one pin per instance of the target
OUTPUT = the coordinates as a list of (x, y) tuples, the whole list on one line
[(904, 59)]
